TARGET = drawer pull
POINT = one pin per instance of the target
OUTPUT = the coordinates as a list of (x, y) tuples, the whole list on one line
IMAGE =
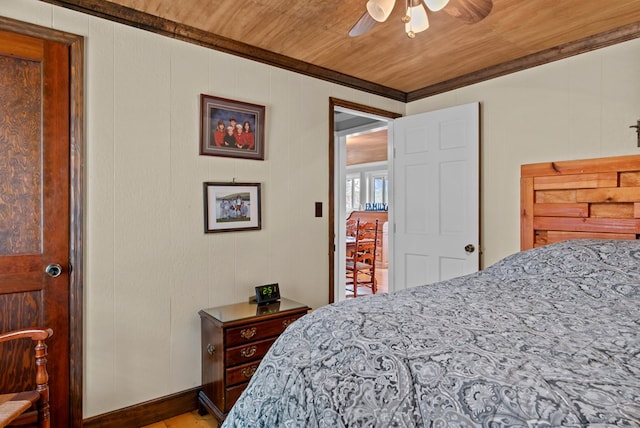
[(211, 349), (249, 371), (248, 352), (248, 333), (286, 323)]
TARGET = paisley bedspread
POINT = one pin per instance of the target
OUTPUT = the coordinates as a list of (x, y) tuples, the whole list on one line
[(546, 337)]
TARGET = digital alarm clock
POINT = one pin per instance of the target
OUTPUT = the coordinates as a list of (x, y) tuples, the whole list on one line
[(267, 293)]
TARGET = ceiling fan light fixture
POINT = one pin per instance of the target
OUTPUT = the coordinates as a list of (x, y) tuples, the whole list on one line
[(380, 9), (436, 5), (418, 20)]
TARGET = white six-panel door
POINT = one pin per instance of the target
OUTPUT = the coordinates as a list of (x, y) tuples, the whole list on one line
[(435, 196)]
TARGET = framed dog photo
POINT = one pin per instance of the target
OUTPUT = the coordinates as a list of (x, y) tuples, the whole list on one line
[(231, 128), (230, 207)]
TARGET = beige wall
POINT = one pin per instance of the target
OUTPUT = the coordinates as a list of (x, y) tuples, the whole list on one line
[(149, 265), (580, 107)]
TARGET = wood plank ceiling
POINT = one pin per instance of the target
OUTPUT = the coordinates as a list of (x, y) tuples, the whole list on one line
[(310, 37), (366, 148)]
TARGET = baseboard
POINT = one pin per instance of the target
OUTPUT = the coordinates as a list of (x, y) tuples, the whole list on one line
[(148, 412)]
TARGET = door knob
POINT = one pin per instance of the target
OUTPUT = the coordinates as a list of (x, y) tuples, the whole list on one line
[(53, 270), (469, 248)]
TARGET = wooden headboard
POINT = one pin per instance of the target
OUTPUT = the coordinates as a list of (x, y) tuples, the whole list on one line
[(591, 198)]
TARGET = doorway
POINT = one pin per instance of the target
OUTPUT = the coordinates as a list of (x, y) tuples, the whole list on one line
[(368, 176), (434, 183)]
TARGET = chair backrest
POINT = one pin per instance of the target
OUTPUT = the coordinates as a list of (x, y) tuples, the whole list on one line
[(352, 226), (40, 379), (366, 242)]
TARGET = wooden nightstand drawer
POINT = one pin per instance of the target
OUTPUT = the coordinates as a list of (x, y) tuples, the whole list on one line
[(233, 393), (248, 352), (258, 331), (242, 373)]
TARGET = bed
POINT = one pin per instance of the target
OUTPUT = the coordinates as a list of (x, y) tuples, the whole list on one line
[(546, 337)]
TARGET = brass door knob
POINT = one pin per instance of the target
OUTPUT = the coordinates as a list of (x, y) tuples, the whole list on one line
[(53, 270), (469, 248)]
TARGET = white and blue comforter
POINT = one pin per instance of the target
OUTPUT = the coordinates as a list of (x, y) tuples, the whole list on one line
[(546, 337)]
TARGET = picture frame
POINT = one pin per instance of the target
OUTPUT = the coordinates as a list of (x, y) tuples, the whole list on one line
[(230, 207), (229, 141)]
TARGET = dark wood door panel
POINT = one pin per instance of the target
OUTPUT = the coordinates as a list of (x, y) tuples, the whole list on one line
[(20, 165), (19, 310), (34, 204)]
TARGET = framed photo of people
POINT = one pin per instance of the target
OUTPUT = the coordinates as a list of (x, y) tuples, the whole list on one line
[(231, 128), (231, 207)]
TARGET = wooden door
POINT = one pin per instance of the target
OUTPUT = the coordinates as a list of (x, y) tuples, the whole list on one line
[(34, 202), (436, 196)]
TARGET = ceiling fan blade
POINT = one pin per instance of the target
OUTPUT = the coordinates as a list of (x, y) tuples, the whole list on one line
[(469, 11), (364, 24)]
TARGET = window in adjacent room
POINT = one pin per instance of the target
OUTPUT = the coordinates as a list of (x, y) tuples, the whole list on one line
[(366, 187), (353, 192)]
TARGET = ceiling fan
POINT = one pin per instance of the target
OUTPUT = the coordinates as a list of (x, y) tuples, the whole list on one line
[(415, 18)]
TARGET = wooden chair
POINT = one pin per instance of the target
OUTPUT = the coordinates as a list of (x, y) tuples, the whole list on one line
[(27, 407), (352, 226), (361, 264)]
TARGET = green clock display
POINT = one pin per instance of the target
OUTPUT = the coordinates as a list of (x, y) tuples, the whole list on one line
[(267, 293)]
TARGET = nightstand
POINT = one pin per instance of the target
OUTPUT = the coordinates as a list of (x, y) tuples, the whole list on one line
[(234, 340)]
